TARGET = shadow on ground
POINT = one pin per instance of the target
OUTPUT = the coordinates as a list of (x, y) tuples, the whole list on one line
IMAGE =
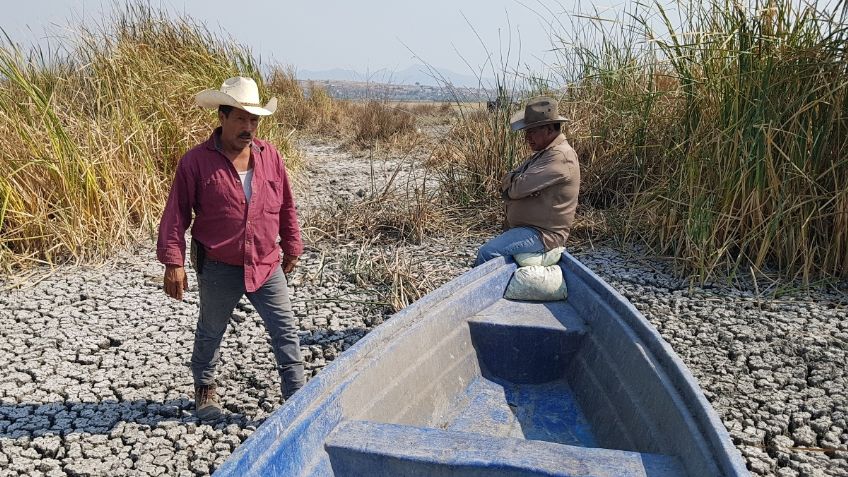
[(63, 418)]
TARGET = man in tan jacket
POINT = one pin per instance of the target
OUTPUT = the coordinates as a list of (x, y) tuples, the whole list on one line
[(540, 195)]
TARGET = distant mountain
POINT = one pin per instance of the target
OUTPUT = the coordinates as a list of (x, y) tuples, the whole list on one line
[(408, 76)]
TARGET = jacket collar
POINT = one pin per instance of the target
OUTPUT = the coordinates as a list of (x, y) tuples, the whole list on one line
[(556, 142)]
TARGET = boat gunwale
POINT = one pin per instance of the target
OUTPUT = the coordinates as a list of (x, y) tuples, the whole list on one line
[(705, 417)]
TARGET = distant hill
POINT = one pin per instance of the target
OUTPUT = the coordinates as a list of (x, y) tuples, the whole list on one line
[(411, 75)]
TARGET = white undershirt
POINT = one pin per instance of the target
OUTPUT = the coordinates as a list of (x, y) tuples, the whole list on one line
[(246, 178)]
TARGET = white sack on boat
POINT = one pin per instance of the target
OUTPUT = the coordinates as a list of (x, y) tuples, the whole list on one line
[(537, 283), (540, 259)]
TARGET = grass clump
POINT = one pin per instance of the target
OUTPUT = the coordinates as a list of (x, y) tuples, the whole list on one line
[(89, 140), (309, 110), (374, 121)]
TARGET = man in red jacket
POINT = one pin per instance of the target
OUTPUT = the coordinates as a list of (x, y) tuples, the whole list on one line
[(237, 188)]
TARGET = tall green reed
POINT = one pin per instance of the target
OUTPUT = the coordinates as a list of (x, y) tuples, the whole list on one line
[(717, 129), (760, 174), (723, 133)]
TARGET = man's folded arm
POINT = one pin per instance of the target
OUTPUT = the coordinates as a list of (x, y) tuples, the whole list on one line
[(545, 172)]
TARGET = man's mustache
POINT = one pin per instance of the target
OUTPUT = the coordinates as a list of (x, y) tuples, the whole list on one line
[(245, 136)]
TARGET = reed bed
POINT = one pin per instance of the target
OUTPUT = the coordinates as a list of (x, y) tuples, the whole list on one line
[(722, 134), (358, 124), (311, 110), (90, 136), (475, 154)]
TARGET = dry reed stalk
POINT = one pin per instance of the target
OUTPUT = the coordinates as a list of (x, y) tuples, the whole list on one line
[(401, 276)]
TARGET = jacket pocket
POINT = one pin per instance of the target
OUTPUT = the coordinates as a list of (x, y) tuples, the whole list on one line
[(273, 199), (214, 195)]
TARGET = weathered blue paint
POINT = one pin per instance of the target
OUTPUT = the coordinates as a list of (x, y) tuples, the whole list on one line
[(525, 342), (645, 383), (544, 412), (366, 448), (591, 373)]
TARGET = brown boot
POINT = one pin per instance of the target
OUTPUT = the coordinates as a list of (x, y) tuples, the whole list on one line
[(206, 403)]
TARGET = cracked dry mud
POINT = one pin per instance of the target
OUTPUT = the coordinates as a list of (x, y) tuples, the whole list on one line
[(96, 381)]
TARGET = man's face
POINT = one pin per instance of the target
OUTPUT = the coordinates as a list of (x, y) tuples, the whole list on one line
[(540, 137), (238, 128)]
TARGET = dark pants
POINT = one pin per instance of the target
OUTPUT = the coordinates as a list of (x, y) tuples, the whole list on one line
[(221, 288)]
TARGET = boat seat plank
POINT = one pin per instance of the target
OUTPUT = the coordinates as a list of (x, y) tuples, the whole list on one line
[(378, 449), (526, 342), (553, 315)]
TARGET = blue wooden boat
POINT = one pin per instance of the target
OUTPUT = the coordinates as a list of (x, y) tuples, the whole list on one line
[(466, 383)]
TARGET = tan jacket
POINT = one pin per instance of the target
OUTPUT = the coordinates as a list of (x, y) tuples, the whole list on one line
[(542, 192)]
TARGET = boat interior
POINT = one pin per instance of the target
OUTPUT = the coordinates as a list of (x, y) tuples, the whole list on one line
[(466, 383), (521, 387)]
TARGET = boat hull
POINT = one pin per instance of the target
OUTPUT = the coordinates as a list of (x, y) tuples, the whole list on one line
[(464, 367)]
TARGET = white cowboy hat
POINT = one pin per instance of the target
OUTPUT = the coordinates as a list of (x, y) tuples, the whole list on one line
[(238, 92)]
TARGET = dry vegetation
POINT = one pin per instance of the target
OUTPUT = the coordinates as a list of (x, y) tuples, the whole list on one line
[(90, 137), (726, 147), (370, 236), (89, 142), (476, 154), (393, 268), (359, 124)]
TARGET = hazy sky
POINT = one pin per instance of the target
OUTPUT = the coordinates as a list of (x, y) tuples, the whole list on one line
[(358, 35)]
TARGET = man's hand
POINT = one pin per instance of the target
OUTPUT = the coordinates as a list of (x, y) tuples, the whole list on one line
[(176, 281), (289, 262)]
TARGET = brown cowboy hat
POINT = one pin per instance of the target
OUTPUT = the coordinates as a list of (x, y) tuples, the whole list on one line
[(538, 112)]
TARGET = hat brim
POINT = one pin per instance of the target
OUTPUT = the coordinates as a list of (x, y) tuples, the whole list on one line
[(517, 123), (211, 99)]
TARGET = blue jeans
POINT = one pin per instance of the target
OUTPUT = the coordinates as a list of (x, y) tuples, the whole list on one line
[(516, 240), (221, 288)]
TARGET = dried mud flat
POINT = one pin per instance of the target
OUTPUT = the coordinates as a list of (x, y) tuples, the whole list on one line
[(96, 378)]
